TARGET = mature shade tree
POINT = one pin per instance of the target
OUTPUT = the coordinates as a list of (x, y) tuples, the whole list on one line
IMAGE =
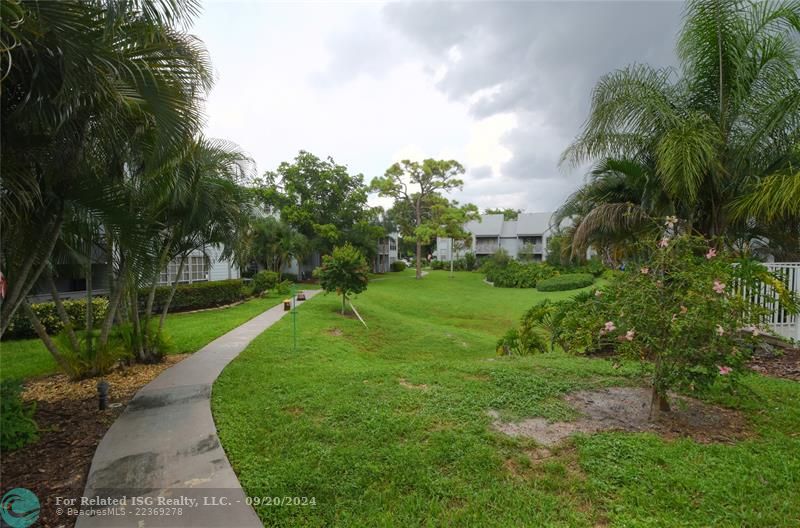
[(723, 132), (319, 198), (344, 271), (414, 187)]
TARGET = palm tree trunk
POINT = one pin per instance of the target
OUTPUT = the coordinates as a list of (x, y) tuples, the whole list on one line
[(89, 312), (48, 343), (171, 294), (162, 262), (137, 325), (23, 281), (113, 303), (62, 312)]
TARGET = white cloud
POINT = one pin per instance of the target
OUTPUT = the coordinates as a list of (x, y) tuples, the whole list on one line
[(501, 87)]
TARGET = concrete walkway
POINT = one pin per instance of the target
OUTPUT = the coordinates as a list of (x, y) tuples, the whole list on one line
[(163, 452)]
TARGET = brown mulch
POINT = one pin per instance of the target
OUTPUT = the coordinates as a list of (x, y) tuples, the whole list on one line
[(783, 363), (628, 409), (70, 426)]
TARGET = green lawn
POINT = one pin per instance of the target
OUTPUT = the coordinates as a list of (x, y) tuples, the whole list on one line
[(387, 426), (26, 358)]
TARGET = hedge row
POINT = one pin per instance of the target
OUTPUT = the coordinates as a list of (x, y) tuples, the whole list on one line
[(397, 265), (569, 281), (197, 296), (194, 296), (21, 327)]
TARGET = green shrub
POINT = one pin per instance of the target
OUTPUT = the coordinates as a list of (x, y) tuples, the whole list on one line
[(17, 427), (470, 261), (284, 287), (570, 281), (197, 295), (515, 274), (88, 361), (681, 313), (397, 265), (263, 281), (458, 265), (21, 327)]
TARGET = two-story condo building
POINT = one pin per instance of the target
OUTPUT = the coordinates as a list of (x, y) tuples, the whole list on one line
[(524, 238)]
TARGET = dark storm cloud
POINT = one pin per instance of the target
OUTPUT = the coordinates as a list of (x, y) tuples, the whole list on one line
[(538, 60), (535, 60)]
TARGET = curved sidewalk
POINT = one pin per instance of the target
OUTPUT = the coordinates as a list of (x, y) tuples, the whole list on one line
[(163, 452)]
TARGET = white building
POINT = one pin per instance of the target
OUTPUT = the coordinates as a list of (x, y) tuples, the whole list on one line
[(201, 265), (524, 238), (387, 253)]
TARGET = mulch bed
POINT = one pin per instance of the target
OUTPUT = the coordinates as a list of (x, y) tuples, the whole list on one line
[(780, 363), (70, 426)]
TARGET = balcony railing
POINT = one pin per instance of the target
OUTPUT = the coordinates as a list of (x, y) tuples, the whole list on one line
[(530, 249), (482, 247)]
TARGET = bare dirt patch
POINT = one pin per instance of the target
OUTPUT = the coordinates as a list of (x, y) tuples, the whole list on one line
[(408, 385), (336, 332), (628, 409), (70, 429)]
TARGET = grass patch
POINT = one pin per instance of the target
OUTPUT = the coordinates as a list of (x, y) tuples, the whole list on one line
[(27, 358), (388, 426)]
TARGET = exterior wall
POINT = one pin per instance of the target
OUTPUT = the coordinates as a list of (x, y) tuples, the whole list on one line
[(201, 266), (388, 252), (511, 245)]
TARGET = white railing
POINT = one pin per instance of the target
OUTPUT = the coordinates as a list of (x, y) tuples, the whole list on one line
[(782, 322), (487, 246)]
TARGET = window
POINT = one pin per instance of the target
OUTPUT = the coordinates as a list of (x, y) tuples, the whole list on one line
[(198, 268), (195, 269)]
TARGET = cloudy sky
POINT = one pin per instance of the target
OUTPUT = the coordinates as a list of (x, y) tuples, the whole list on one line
[(502, 87)]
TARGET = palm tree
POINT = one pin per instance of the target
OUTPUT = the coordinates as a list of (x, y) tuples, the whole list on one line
[(621, 200), (723, 131), (77, 78), (273, 243)]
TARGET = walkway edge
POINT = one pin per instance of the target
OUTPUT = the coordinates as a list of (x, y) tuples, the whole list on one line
[(163, 452)]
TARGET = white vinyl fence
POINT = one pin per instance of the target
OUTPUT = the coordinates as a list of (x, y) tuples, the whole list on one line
[(781, 321)]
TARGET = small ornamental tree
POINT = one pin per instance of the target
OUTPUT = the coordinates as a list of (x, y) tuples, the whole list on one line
[(684, 312), (344, 272)]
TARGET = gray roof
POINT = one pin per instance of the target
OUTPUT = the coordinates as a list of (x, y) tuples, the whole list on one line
[(509, 229), (527, 224), (533, 223), (488, 225)]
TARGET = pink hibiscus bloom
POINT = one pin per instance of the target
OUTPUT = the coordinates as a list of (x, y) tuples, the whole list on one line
[(644, 271), (711, 253), (629, 335), (664, 242), (724, 370), (719, 287), (610, 326)]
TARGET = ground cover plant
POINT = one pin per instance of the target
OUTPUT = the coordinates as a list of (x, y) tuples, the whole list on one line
[(389, 426), (188, 332)]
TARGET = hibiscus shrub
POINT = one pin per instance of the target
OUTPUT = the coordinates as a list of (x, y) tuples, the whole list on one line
[(682, 311)]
